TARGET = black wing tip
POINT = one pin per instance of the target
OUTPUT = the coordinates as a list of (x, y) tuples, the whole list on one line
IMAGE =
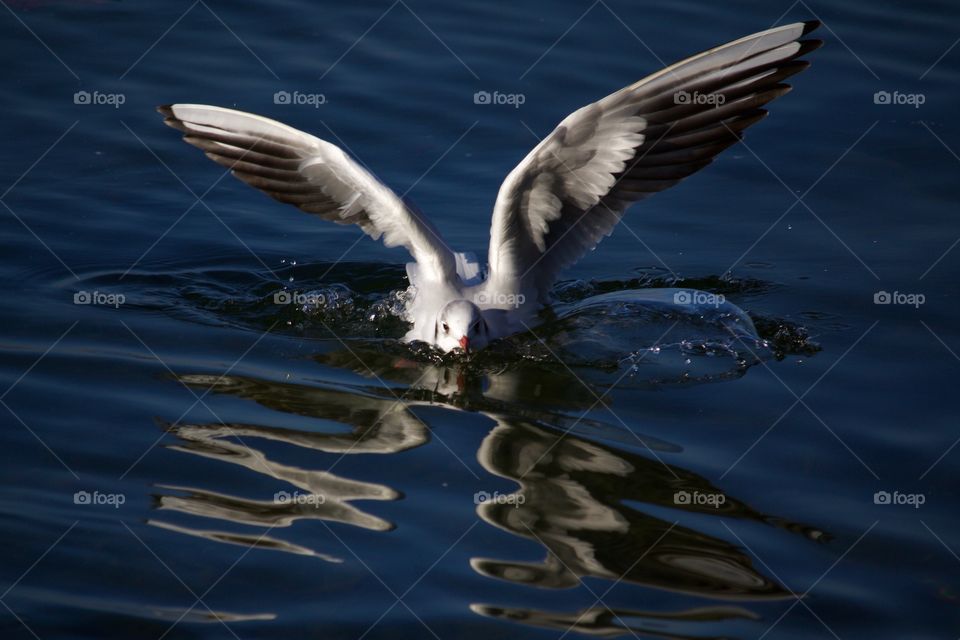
[(806, 46), (166, 110), (810, 25)]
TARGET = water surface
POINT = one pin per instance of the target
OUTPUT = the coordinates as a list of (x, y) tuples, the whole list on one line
[(183, 457)]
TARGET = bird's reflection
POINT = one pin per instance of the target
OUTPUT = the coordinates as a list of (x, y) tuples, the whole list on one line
[(574, 499), (597, 498)]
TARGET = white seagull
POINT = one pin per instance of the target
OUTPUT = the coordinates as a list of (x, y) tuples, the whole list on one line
[(565, 196)]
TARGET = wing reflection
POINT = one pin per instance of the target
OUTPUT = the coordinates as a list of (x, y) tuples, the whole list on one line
[(260, 542), (574, 499), (337, 491), (378, 425), (591, 507), (594, 496)]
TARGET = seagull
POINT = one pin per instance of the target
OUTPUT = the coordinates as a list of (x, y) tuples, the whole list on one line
[(563, 198)]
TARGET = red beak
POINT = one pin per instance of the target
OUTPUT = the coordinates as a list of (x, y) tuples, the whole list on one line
[(465, 343)]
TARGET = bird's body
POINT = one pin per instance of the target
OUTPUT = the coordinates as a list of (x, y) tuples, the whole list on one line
[(562, 199), (501, 315)]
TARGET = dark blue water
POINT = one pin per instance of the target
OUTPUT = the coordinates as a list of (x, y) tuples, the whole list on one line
[(626, 471)]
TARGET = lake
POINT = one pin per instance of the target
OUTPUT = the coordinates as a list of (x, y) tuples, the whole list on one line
[(210, 428)]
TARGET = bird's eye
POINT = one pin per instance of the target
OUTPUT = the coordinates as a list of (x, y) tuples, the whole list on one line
[(446, 327)]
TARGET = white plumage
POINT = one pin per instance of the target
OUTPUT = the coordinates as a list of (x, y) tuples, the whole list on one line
[(564, 197)]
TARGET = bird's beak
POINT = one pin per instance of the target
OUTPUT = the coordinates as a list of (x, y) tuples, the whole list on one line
[(465, 343)]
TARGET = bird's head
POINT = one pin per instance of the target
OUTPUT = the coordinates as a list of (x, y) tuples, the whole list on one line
[(460, 326)]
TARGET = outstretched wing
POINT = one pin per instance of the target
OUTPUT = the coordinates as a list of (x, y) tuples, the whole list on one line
[(573, 188), (316, 176)]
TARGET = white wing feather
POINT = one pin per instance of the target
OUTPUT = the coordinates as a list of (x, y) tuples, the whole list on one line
[(572, 189), (314, 175)]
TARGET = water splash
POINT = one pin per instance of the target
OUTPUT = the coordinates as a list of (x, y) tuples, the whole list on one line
[(614, 327)]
